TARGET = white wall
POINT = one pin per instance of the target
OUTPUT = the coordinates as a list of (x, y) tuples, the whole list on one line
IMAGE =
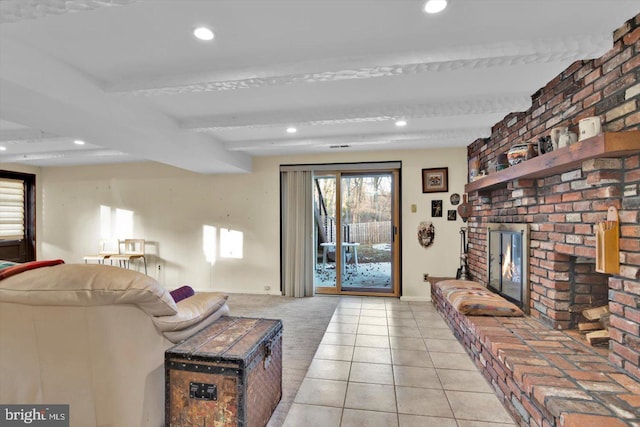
[(172, 205)]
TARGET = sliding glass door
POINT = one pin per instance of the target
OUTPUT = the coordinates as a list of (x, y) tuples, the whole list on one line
[(356, 236)]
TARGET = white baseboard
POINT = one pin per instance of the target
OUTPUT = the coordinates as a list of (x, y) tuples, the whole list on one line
[(418, 299), (242, 291)]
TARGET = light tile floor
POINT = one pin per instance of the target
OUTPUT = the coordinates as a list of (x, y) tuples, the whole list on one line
[(387, 363)]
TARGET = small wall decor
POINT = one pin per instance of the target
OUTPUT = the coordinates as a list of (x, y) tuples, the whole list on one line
[(452, 215), (426, 234), (436, 208), (435, 180), (608, 243), (464, 209), (454, 199)]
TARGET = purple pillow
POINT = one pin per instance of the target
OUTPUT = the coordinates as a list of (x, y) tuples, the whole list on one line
[(182, 293)]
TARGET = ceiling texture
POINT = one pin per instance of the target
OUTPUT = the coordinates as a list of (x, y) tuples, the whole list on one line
[(129, 79)]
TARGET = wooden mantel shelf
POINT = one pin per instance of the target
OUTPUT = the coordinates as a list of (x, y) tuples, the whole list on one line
[(610, 144)]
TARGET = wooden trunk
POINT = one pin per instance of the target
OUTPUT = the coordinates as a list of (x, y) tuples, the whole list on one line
[(229, 374)]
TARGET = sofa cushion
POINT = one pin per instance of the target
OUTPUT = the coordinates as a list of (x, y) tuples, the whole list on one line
[(458, 284), (87, 284), (482, 302), (191, 310), (447, 287)]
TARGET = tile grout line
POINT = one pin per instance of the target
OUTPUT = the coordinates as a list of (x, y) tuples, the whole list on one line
[(368, 310)]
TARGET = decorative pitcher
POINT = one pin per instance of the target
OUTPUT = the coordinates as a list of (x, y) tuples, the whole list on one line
[(555, 135), (589, 127)]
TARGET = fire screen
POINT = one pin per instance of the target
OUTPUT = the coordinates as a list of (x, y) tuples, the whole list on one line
[(508, 259)]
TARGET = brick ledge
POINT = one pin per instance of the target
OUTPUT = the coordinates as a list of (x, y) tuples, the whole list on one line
[(544, 377)]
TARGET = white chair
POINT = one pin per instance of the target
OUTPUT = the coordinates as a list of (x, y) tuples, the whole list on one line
[(107, 249), (133, 250)]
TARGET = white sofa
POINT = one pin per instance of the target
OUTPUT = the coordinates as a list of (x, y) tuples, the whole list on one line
[(93, 337)]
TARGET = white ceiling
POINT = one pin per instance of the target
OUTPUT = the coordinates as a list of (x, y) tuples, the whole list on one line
[(128, 78)]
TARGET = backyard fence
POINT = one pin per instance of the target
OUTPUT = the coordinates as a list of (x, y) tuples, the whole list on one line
[(370, 233), (366, 233)]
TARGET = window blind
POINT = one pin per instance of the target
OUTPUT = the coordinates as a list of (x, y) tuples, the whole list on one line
[(11, 209)]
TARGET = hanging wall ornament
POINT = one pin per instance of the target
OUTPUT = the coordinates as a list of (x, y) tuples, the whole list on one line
[(426, 234), (464, 210)]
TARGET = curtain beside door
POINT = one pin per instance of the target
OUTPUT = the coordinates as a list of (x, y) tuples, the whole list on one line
[(297, 233)]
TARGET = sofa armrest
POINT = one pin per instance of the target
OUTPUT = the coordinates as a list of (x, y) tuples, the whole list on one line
[(177, 336), (191, 311)]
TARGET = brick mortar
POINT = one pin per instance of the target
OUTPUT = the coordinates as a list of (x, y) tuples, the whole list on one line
[(490, 340)]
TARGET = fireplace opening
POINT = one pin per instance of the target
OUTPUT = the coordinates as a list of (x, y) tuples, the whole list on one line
[(588, 288), (508, 262)]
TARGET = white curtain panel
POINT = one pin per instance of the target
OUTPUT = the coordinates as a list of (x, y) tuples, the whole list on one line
[(297, 233)]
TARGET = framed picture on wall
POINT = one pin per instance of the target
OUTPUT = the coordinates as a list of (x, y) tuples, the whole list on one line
[(435, 180), (436, 208)]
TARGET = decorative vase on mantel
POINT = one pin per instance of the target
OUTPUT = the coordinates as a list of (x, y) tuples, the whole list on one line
[(521, 152)]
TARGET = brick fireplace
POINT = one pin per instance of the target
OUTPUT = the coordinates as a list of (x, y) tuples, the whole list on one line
[(562, 207)]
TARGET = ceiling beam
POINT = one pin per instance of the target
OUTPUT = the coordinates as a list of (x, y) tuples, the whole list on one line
[(65, 102), (20, 10), (24, 135), (436, 138), (68, 154), (361, 114), (471, 57)]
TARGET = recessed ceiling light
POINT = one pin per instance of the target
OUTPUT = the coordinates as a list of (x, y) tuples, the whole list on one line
[(3, 148), (291, 129), (78, 142), (400, 123), (203, 33), (435, 6)]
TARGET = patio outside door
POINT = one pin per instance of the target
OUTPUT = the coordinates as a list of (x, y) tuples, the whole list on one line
[(356, 234)]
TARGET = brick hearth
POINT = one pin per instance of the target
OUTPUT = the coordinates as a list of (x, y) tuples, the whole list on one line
[(545, 377), (562, 208)]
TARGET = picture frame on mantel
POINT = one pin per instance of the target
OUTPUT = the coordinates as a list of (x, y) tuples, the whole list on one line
[(435, 180)]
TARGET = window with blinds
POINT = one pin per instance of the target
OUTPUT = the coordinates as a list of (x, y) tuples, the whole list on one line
[(12, 196)]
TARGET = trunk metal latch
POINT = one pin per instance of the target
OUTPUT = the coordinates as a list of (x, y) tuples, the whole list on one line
[(202, 391)]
